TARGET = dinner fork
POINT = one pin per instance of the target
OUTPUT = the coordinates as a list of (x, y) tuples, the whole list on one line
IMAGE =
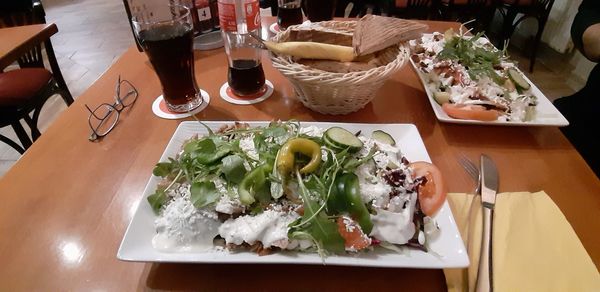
[(472, 170)]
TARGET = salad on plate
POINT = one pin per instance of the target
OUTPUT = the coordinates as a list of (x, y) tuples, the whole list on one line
[(471, 79), (287, 187)]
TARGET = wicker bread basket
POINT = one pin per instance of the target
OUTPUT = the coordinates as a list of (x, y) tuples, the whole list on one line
[(338, 93)]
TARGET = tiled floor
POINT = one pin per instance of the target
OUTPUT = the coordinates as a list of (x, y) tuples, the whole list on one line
[(94, 33)]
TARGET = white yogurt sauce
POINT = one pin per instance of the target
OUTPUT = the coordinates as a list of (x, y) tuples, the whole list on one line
[(395, 227), (269, 227)]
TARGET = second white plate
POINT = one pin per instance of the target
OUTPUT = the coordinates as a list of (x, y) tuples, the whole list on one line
[(546, 115)]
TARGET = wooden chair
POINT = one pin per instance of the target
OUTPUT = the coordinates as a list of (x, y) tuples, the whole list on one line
[(515, 11), (24, 91), (416, 9)]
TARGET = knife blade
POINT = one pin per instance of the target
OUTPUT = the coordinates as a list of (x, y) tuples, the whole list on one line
[(489, 188), (489, 181)]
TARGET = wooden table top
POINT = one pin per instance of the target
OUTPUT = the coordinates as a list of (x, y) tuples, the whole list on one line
[(19, 39), (67, 202)]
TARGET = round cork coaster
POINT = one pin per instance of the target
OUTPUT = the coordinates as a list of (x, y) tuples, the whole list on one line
[(228, 95), (159, 108), (274, 28)]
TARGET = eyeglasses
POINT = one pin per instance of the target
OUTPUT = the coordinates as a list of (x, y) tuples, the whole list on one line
[(104, 117)]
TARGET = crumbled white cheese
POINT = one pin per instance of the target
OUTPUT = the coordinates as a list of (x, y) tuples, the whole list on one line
[(229, 203), (312, 131), (431, 45), (269, 227), (372, 188), (247, 145), (181, 227)]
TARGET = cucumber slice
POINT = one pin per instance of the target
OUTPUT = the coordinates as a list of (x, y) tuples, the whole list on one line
[(518, 79), (342, 138), (441, 97), (330, 144), (530, 113), (383, 137)]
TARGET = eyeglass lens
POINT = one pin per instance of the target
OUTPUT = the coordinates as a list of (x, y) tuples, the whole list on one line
[(126, 93), (103, 119)]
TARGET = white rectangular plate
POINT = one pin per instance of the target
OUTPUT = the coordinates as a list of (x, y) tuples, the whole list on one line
[(448, 248), (546, 113)]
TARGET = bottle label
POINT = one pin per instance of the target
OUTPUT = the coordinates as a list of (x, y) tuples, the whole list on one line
[(252, 15), (204, 13), (227, 17)]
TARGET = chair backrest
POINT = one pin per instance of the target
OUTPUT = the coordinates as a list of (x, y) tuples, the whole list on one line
[(417, 9), (545, 4), (419, 3), (471, 2), (24, 12), (412, 3), (479, 2)]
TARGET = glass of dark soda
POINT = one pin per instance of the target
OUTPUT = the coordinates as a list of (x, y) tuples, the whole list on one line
[(165, 32), (319, 10), (289, 12)]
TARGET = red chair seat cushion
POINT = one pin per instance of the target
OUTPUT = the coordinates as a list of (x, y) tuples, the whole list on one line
[(401, 3), (19, 86)]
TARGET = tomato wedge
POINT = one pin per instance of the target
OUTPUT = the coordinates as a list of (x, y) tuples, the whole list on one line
[(354, 238), (432, 193), (470, 112)]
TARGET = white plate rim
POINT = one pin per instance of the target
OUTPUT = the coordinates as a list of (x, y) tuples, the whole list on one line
[(449, 248), (555, 117)]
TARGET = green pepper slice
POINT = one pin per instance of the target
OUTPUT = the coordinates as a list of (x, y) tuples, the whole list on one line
[(346, 198), (253, 182)]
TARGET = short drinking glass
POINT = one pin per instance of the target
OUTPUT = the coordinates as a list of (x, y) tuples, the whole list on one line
[(166, 35)]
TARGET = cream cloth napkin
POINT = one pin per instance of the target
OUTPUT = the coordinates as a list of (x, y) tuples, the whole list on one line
[(534, 247)]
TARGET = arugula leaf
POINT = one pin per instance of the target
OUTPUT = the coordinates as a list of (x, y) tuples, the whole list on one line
[(208, 129), (163, 169), (203, 194), (157, 200), (233, 168), (478, 60), (275, 131), (260, 143), (198, 147), (277, 182), (353, 163), (323, 230), (206, 151)]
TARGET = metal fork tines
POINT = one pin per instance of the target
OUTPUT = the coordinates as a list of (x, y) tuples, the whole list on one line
[(472, 170)]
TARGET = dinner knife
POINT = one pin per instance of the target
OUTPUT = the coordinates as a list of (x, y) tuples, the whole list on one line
[(489, 187)]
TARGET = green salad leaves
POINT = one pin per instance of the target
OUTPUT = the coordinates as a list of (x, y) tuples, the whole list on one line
[(255, 178), (479, 60)]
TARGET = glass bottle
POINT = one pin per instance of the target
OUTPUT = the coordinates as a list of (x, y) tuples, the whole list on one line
[(238, 19)]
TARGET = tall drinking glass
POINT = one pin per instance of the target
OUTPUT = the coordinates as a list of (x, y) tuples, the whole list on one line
[(319, 10), (166, 35), (289, 13)]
